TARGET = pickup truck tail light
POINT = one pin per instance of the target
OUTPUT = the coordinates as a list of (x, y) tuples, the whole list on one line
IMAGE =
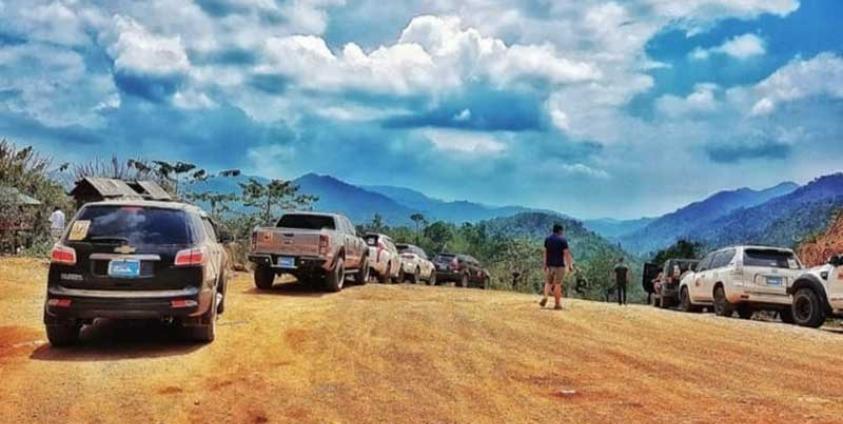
[(324, 241), (63, 255), (191, 257)]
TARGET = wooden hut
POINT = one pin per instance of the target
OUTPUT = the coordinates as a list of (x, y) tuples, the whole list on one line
[(95, 189)]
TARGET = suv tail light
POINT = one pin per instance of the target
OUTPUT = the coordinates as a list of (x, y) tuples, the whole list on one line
[(324, 241), (191, 257), (63, 255)]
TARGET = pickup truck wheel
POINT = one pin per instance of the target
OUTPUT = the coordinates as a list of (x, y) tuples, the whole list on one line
[(722, 307), (264, 277), (61, 335), (362, 276), (414, 278), (464, 281), (807, 310), (745, 312), (336, 278)]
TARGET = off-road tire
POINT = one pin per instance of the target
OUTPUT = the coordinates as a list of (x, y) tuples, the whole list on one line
[(383, 278), (745, 312), (807, 309), (464, 281), (222, 286), (415, 277), (362, 276), (264, 277), (722, 307), (336, 277), (786, 315), (61, 335), (685, 301), (206, 330), (431, 281)]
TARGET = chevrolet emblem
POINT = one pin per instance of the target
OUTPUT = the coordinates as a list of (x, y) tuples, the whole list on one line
[(124, 249)]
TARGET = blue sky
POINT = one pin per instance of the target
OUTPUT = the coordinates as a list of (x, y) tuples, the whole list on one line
[(591, 108)]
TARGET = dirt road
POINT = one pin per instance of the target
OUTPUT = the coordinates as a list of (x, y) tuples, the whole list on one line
[(406, 353)]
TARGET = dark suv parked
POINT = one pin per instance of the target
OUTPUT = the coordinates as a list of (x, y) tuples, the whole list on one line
[(463, 270), (136, 260)]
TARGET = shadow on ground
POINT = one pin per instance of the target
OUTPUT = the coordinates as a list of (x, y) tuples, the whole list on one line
[(108, 340)]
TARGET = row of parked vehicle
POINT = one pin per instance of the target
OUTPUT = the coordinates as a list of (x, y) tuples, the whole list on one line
[(138, 259), (744, 279), (324, 249)]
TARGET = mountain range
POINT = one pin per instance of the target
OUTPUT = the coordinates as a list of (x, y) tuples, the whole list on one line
[(780, 215)]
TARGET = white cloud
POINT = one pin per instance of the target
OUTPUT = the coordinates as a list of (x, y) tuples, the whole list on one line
[(433, 54), (464, 142), (701, 100), (740, 47), (821, 75), (136, 49)]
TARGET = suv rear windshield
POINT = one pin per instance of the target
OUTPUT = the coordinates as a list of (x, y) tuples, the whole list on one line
[(133, 225), (307, 222), (770, 258)]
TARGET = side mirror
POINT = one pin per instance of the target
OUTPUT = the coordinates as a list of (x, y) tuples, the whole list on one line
[(836, 260)]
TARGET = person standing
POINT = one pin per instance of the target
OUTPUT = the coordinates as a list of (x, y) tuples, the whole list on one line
[(557, 260), (56, 223), (621, 280)]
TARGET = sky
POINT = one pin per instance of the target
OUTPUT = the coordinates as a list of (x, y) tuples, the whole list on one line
[(591, 108)]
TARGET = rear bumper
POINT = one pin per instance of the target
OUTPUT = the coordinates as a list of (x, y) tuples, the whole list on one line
[(301, 262), (119, 304)]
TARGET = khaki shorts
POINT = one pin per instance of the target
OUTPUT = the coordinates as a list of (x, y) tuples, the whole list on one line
[(555, 274)]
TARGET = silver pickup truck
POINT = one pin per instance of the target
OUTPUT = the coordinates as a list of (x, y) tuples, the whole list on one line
[(314, 247)]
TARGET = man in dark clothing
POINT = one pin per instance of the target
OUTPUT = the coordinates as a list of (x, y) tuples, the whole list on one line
[(557, 260), (621, 280)]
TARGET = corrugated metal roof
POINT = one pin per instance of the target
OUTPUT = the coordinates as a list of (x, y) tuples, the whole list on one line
[(153, 190), (18, 198), (110, 188)]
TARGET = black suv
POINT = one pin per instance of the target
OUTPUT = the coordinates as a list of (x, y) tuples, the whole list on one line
[(662, 282), (463, 270), (136, 260)]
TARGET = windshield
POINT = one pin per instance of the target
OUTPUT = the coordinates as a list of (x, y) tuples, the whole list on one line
[(307, 222), (770, 258), (132, 225)]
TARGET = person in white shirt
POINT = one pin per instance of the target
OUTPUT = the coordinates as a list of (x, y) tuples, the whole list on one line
[(56, 223)]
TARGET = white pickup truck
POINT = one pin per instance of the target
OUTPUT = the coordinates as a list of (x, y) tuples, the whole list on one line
[(818, 294), (314, 247)]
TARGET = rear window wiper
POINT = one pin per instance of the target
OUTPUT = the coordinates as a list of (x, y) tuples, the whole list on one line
[(107, 239)]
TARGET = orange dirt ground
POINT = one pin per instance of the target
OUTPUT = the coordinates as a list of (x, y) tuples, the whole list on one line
[(405, 353), (827, 244)]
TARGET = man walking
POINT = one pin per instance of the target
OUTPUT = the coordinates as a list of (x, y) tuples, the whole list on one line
[(557, 260), (621, 280), (56, 224)]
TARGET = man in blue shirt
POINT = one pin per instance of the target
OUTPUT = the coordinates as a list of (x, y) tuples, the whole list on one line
[(557, 261)]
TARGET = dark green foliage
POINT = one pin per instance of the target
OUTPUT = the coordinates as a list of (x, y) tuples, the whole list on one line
[(682, 249)]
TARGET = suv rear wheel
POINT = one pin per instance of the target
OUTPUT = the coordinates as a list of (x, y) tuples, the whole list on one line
[(414, 278), (722, 307), (432, 279), (745, 312), (61, 335), (206, 330), (685, 301), (807, 310), (264, 277)]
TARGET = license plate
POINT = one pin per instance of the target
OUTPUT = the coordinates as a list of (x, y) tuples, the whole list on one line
[(286, 262), (774, 281), (124, 268)]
